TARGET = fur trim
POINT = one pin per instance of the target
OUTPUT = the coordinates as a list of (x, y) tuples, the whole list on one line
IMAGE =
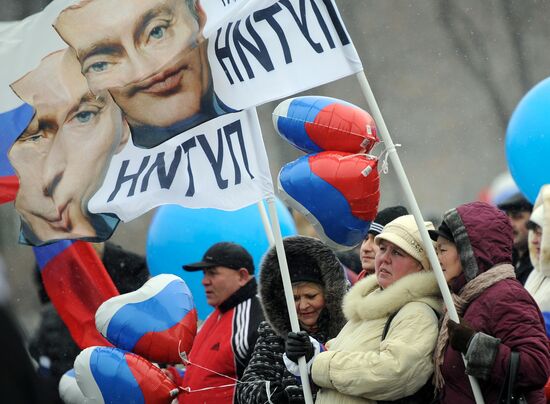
[(481, 355), (543, 264), (462, 241), (333, 277), (366, 301)]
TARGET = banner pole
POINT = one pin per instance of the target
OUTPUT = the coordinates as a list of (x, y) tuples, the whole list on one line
[(413, 205), (289, 295), (265, 221)]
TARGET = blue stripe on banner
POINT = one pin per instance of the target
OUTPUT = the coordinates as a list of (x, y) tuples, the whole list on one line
[(114, 377), (323, 201), (164, 310), (46, 253), (13, 123)]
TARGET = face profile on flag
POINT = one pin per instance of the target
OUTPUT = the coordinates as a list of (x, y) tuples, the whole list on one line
[(62, 155), (151, 55)]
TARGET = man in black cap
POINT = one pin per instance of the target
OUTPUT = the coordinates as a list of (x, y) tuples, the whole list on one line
[(518, 209), (368, 247), (225, 343)]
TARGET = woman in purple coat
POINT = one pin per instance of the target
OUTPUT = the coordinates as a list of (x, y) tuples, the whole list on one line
[(498, 316)]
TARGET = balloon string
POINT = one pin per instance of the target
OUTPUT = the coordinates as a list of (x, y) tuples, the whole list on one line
[(187, 362), (384, 167)]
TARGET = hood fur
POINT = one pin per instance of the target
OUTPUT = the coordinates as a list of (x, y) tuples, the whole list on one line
[(543, 264), (366, 301), (483, 236), (333, 279)]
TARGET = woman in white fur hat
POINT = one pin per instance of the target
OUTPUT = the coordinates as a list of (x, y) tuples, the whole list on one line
[(384, 351), (538, 283)]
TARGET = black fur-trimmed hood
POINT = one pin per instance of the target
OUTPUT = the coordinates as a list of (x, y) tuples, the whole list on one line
[(333, 276)]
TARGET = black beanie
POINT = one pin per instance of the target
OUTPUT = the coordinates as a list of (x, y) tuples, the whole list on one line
[(385, 216), (303, 268)]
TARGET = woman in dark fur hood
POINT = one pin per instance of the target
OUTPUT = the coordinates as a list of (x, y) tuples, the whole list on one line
[(319, 284)]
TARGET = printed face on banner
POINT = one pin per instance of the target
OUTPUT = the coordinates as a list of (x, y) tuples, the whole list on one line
[(129, 115), (151, 56), (62, 155)]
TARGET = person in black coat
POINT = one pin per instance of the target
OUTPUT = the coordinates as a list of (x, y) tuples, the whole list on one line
[(319, 284)]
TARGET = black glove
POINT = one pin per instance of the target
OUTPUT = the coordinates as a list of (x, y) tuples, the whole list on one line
[(278, 394), (298, 345), (460, 335)]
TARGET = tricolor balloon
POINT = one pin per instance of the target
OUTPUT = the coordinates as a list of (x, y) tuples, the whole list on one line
[(157, 321), (314, 124), (110, 375), (337, 192), (69, 391)]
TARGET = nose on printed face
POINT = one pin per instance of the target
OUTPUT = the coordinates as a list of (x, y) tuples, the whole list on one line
[(54, 167)]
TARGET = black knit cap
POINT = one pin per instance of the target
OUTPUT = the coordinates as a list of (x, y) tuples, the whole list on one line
[(385, 216), (224, 254), (444, 231), (303, 268), (516, 203)]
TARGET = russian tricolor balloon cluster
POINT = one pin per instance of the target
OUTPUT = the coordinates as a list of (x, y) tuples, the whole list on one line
[(336, 186), (152, 324)]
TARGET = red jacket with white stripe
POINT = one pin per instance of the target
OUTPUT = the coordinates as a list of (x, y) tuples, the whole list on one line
[(223, 345)]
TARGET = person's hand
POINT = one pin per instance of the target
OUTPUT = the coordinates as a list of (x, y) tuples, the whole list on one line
[(278, 394), (297, 345), (460, 335)]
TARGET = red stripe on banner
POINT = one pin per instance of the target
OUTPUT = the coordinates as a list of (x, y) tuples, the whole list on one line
[(77, 283), (8, 188)]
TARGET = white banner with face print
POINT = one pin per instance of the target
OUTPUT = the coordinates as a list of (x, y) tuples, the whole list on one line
[(220, 164), (99, 91)]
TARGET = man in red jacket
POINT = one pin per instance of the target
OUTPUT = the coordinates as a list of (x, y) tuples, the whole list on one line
[(224, 344)]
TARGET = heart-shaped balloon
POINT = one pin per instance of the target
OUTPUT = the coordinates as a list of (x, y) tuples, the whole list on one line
[(69, 391), (111, 375), (337, 192), (157, 321), (314, 124)]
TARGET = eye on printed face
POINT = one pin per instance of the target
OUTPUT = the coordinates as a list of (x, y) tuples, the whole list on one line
[(145, 52), (61, 156), (392, 264)]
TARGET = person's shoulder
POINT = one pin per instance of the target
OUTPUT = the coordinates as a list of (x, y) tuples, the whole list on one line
[(505, 294), (506, 289), (418, 309)]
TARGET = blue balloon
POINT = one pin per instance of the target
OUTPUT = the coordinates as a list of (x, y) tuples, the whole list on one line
[(179, 236), (528, 141)]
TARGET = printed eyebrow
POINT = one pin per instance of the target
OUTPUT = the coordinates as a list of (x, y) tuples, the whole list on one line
[(146, 18), (88, 98), (39, 125), (100, 48)]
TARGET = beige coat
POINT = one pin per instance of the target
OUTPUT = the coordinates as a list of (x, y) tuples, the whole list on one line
[(360, 368)]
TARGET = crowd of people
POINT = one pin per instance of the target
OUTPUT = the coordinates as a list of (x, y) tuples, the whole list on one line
[(384, 335), (388, 337)]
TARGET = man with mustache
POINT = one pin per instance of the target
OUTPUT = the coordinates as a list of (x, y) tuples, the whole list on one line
[(151, 56), (62, 155)]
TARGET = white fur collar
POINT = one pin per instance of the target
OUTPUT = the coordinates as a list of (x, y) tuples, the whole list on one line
[(366, 301)]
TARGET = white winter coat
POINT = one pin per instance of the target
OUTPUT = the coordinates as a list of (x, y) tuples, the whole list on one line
[(538, 282), (360, 368)]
